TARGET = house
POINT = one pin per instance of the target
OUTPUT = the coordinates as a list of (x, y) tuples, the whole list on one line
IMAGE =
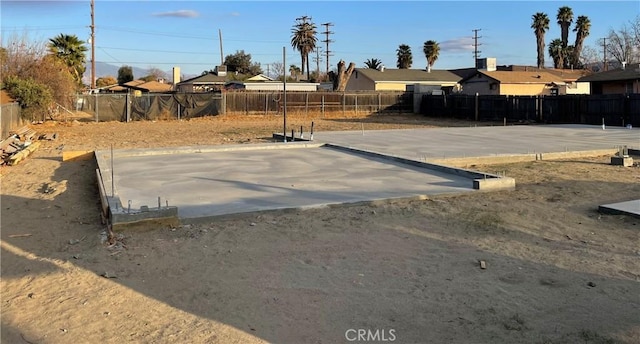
[(520, 83), (383, 79), (209, 82), (617, 81)]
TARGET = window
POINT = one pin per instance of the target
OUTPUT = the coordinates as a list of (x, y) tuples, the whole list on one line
[(554, 91), (629, 87), (493, 86)]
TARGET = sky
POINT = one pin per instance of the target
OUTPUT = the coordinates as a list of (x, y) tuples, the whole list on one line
[(185, 34)]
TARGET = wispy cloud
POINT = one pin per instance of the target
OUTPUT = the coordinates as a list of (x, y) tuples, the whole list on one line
[(179, 13), (235, 14), (457, 45)]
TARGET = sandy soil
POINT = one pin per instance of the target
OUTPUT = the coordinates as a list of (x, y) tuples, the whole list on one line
[(557, 271)]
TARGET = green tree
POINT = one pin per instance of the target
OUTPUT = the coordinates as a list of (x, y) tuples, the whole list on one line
[(125, 74), (373, 63), (540, 25), (582, 30), (556, 52), (431, 51), (565, 18), (303, 39), (405, 59), (35, 98), (241, 62), (71, 51)]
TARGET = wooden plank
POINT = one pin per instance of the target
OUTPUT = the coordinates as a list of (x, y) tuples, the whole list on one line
[(77, 155)]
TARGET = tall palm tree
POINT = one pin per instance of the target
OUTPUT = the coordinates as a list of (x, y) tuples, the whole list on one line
[(583, 26), (405, 59), (431, 51), (556, 51), (70, 50), (565, 18), (540, 25), (303, 39), (373, 63)]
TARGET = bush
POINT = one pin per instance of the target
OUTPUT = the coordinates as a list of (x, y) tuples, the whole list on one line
[(34, 98)]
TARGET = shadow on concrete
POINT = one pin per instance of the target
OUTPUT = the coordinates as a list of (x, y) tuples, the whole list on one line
[(313, 281)]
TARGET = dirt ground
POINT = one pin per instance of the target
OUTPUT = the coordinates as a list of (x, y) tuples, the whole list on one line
[(557, 271)]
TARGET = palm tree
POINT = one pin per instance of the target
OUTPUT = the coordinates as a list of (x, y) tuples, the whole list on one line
[(294, 70), (303, 39), (556, 51), (405, 59), (431, 51), (565, 17), (540, 25), (583, 25), (71, 51), (373, 63)]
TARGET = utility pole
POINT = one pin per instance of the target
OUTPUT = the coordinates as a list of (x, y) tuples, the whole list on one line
[(93, 48), (476, 52), (317, 60), (604, 48), (327, 41)]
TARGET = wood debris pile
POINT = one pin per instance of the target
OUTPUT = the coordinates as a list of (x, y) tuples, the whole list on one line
[(20, 144)]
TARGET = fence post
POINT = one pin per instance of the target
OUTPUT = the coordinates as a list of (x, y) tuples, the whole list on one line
[(344, 104), (306, 103), (96, 108), (322, 100), (356, 102), (476, 106), (246, 104), (266, 102), (379, 102), (223, 101)]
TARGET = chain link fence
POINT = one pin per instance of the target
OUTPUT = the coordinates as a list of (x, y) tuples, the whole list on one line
[(126, 107)]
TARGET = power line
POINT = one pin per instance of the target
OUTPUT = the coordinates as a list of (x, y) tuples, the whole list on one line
[(327, 41)]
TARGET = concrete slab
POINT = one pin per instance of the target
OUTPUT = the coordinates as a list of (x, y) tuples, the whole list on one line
[(623, 208), (231, 181), (336, 168), (436, 144)]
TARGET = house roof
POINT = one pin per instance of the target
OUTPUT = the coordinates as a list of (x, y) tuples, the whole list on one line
[(569, 74), (259, 77), (631, 72), (154, 86), (408, 75), (134, 82), (209, 78), (518, 77)]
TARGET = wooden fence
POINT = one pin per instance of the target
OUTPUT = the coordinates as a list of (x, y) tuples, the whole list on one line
[(615, 109), (318, 102), (10, 119)]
